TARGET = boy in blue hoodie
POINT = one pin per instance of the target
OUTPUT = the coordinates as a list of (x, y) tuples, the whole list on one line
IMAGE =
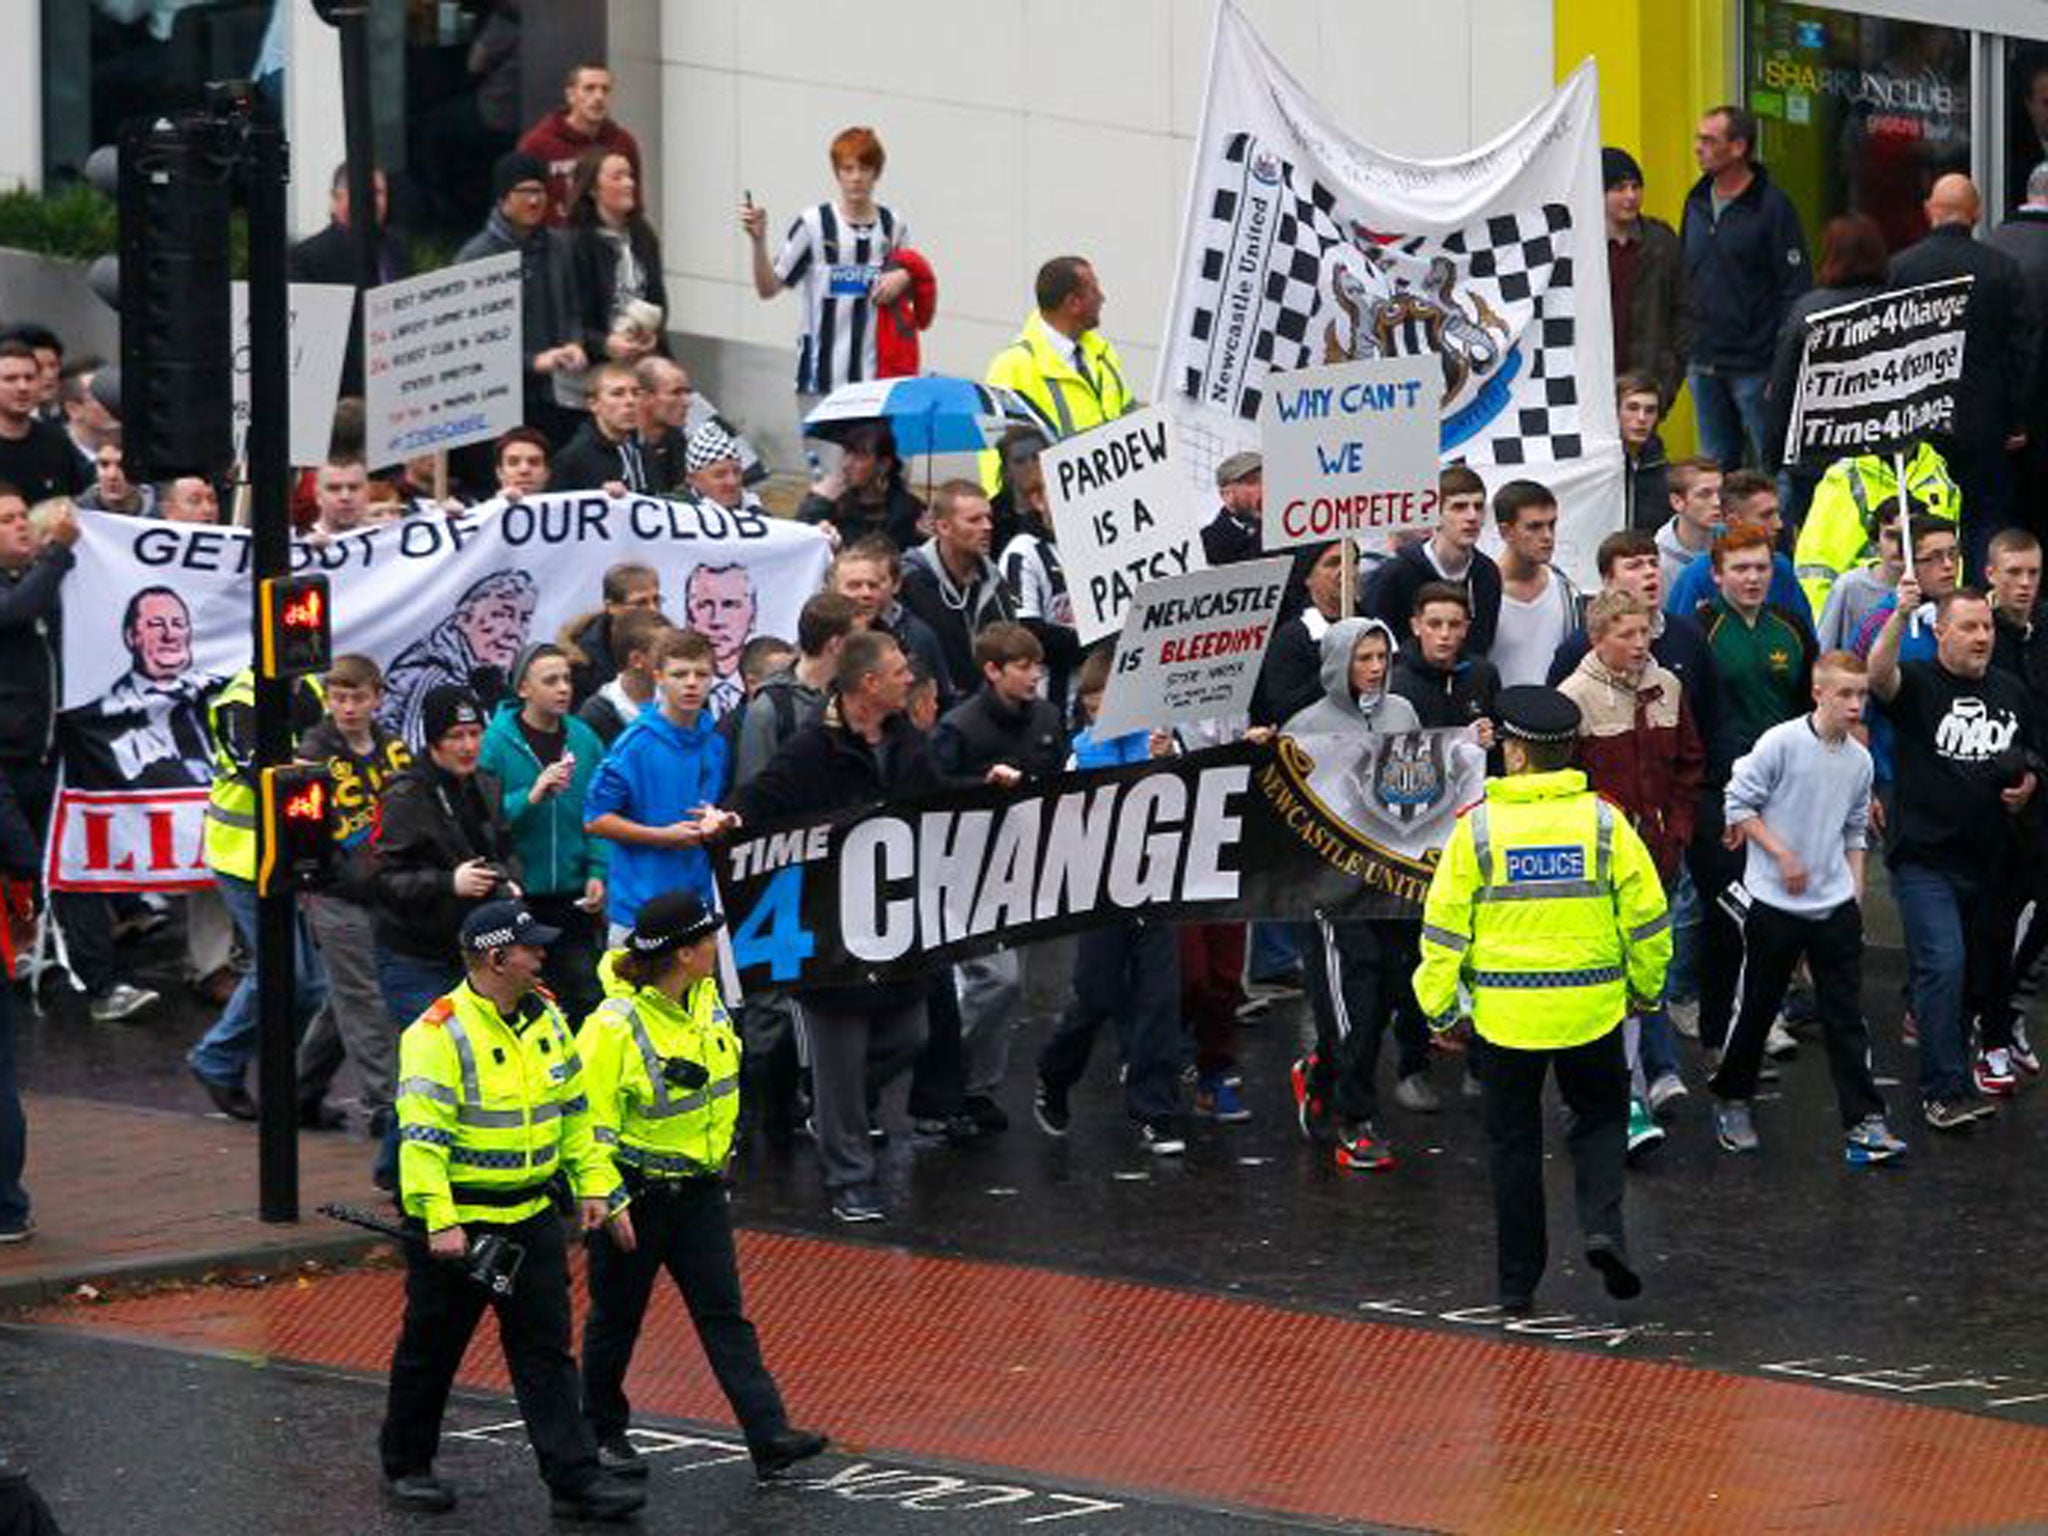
[(1128, 972), (656, 797), (544, 759)]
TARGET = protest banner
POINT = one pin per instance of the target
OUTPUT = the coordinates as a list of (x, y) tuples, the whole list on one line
[(1123, 514), (441, 360), (1303, 245), (1878, 375), (1234, 833), (1350, 449), (158, 619), (319, 322), (1191, 647)]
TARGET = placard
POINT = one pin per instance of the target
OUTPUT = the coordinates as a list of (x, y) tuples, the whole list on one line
[(1351, 448), (1879, 374), (1191, 647), (317, 341), (1123, 513), (441, 360)]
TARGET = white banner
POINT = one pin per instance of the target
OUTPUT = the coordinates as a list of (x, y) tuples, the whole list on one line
[(1191, 647), (441, 360), (157, 617), (319, 318), (1124, 514), (1303, 247), (1350, 448)]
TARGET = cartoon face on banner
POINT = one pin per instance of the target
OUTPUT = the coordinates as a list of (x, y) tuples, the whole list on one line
[(473, 647)]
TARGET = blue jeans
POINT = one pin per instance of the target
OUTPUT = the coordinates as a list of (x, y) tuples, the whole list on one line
[(1938, 910), (13, 1126), (1682, 984), (408, 985), (1730, 410), (223, 1052), (1657, 1046), (1273, 951)]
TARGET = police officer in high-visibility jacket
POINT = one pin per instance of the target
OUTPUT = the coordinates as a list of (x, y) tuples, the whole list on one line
[(490, 1110), (661, 1067), (1546, 906)]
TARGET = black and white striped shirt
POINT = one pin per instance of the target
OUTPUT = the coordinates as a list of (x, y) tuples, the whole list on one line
[(836, 263)]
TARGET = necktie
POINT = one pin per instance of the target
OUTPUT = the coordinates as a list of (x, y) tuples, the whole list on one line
[(1081, 366)]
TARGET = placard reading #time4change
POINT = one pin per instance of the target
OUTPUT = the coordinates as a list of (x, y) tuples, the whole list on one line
[(1191, 647), (1351, 449)]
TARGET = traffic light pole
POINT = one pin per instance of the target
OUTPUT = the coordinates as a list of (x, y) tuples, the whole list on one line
[(269, 450)]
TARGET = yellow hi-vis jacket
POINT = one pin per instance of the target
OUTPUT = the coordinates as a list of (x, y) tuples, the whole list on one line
[(232, 805), (640, 1119), (1547, 906), (489, 1108), (1035, 366), (1840, 530)]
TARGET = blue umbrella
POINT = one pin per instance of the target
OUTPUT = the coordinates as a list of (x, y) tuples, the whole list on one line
[(927, 415)]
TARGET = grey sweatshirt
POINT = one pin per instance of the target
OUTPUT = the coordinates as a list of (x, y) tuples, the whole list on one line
[(1815, 798), (1341, 710)]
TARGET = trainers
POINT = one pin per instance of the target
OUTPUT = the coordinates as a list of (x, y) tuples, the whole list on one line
[(1413, 1092), (1359, 1146), (1049, 1109), (1685, 1017), (1217, 1098), (1952, 1113), (20, 1234), (1872, 1141), (1733, 1127), (617, 1456), (1310, 1109), (1669, 1088), (1993, 1072), (1644, 1133), (856, 1203), (121, 1001), (1253, 1008), (1780, 1043), (1160, 1137), (1285, 983), (2023, 1055)]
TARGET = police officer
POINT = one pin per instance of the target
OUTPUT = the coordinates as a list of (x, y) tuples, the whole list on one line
[(490, 1108), (1546, 906), (661, 1067)]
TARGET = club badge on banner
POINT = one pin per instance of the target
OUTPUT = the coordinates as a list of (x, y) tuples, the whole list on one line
[(1879, 375), (1191, 647), (1303, 247), (157, 618), (1350, 449), (1339, 826), (1124, 515)]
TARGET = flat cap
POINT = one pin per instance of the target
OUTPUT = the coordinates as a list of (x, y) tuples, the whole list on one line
[(1239, 466)]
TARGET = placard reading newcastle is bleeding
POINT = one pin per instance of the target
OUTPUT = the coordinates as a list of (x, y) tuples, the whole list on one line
[(1191, 647), (1351, 449), (1879, 374)]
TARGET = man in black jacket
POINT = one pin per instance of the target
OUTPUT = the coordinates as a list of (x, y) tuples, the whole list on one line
[(550, 340), (1002, 735), (860, 1038), (1431, 672), (1236, 533), (2001, 333), (606, 454), (1745, 262), (19, 856), (950, 582), (1450, 554), (330, 257)]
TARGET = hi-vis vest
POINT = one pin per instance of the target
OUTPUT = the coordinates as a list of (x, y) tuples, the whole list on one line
[(661, 1129), (1546, 905), (1036, 368), (488, 1110), (1841, 522), (231, 803)]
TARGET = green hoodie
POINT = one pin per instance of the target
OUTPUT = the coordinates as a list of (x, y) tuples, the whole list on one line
[(558, 857)]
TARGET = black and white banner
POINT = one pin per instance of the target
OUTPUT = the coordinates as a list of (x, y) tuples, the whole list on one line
[(1880, 374), (1345, 826), (156, 618)]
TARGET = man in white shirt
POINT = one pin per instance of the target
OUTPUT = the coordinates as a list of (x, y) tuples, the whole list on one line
[(1539, 607)]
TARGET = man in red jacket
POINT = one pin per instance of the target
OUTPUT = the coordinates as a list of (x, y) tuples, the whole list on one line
[(583, 122)]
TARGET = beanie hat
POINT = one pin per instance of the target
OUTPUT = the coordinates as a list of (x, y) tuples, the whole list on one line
[(510, 170), (448, 705), (1618, 165)]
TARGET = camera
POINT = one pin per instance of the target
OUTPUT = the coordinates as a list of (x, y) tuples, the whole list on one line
[(681, 1072)]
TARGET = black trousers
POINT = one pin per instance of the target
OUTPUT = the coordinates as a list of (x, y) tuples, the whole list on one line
[(442, 1308), (570, 969), (938, 1083), (1126, 974), (683, 1226), (1774, 941), (1360, 980), (1593, 1078), (1714, 869)]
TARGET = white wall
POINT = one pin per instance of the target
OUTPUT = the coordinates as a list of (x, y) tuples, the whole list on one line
[(21, 95), (1021, 129)]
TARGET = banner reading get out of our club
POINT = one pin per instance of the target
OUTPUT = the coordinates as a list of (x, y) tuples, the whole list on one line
[(157, 617), (1345, 826)]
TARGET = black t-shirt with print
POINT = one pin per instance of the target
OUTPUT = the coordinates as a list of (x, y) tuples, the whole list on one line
[(1957, 742)]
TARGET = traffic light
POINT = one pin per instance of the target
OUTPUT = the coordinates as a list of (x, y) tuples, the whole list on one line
[(173, 181), (296, 635), (297, 847)]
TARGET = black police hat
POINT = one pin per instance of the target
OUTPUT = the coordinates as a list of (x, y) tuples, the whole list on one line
[(670, 921), (1532, 713), (501, 924)]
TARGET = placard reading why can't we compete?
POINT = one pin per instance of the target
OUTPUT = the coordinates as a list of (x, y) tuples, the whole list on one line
[(1124, 515), (1351, 448)]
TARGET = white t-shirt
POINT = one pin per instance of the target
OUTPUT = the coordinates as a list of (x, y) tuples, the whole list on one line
[(1529, 633), (836, 263)]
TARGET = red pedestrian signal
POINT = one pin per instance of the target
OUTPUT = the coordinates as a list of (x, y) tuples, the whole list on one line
[(297, 846), (297, 626)]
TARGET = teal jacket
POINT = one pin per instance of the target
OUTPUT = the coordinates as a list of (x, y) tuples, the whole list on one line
[(555, 853)]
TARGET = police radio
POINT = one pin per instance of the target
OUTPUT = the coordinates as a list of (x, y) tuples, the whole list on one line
[(296, 802)]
